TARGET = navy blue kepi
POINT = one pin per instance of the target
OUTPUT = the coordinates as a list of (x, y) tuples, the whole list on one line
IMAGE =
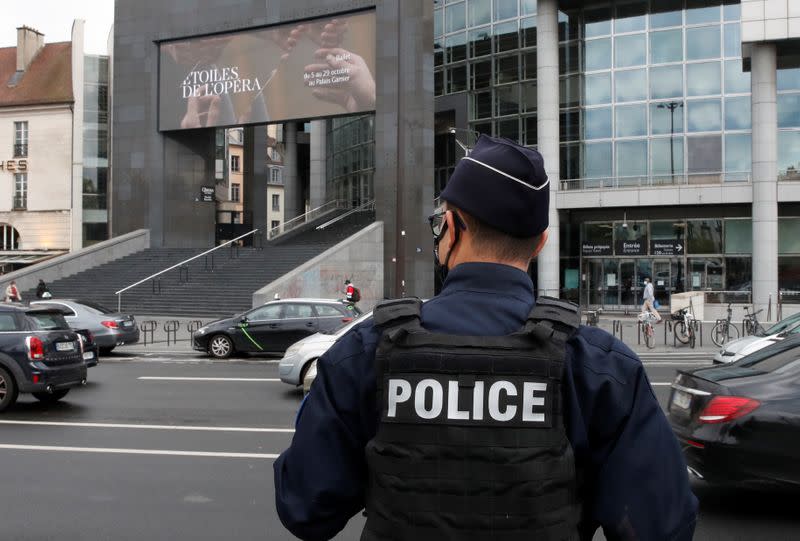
[(504, 185)]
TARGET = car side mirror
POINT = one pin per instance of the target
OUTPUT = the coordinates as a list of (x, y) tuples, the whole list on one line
[(243, 319)]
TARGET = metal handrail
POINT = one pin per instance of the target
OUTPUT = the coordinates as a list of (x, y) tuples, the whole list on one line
[(288, 225), (159, 273), (365, 206)]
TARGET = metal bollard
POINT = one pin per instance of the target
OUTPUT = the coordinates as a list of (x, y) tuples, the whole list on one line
[(148, 327), (171, 328)]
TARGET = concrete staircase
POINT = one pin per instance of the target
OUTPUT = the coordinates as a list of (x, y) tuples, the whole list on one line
[(200, 289)]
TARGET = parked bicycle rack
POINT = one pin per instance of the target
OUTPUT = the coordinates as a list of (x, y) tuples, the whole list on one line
[(171, 328), (148, 327), (193, 326)]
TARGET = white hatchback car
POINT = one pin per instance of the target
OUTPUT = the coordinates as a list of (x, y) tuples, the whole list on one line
[(736, 349), (299, 363)]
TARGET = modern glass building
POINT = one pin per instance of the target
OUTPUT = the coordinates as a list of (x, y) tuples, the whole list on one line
[(644, 110)]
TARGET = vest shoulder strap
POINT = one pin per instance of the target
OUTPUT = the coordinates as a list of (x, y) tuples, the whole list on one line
[(561, 317), (396, 311)]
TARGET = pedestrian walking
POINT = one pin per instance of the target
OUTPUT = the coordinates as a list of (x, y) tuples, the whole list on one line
[(351, 293), (649, 303), (484, 413), (12, 293)]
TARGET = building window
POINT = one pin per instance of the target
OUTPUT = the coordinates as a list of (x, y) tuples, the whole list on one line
[(235, 192), (21, 139), (20, 191), (10, 237), (275, 176), (276, 202), (235, 164), (274, 224)]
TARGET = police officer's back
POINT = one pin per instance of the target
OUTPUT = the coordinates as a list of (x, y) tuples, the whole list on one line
[(481, 414)]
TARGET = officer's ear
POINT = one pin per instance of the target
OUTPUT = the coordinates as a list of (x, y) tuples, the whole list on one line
[(540, 243)]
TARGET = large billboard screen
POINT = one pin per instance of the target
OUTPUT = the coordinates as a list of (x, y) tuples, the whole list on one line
[(310, 69)]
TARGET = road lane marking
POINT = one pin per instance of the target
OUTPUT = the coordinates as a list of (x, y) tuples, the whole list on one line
[(152, 427), (166, 378), (113, 451)]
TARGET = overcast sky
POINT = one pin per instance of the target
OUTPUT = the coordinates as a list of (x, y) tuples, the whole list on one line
[(54, 19)]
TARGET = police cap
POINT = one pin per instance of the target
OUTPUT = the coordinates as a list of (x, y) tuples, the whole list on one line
[(504, 185)]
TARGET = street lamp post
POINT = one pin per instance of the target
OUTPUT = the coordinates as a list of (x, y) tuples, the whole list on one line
[(671, 106)]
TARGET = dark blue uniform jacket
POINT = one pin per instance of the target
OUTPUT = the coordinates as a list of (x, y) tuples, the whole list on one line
[(636, 486)]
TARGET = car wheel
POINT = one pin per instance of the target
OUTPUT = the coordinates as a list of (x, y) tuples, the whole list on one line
[(51, 398), (8, 389), (106, 351), (220, 346)]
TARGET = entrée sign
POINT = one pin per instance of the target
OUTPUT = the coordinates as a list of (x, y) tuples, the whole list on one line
[(12, 166)]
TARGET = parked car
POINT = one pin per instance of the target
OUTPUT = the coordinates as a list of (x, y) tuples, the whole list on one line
[(39, 354), (740, 422), (299, 363), (272, 327), (736, 349), (109, 328)]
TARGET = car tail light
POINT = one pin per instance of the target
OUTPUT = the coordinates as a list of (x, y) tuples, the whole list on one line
[(35, 348), (110, 324), (723, 409), (347, 319)]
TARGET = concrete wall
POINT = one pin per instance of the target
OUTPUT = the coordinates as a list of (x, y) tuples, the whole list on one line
[(78, 261), (359, 258)]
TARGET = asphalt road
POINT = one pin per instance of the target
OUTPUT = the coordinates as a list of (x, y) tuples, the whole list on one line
[(171, 447)]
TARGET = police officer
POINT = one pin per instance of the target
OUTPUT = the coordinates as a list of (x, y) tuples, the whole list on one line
[(482, 414)]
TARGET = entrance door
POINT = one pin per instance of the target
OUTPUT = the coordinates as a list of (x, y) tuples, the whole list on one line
[(663, 284), (628, 282), (593, 268)]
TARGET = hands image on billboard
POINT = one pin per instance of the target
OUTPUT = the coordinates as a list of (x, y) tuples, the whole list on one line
[(343, 78)]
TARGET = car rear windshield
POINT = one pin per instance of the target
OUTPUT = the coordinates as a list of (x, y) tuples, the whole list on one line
[(49, 321), (100, 309)]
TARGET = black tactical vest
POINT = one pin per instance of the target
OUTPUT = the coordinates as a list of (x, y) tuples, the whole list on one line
[(471, 442)]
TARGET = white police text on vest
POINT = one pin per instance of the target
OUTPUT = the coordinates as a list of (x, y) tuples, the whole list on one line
[(441, 399)]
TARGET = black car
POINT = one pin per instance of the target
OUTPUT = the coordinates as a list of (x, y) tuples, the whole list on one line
[(39, 354), (91, 351), (740, 423), (272, 327)]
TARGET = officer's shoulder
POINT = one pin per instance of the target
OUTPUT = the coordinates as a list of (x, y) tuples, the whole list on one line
[(360, 340), (601, 353)]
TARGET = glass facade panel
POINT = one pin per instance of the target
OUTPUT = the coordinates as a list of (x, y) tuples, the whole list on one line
[(789, 79), (528, 7), (702, 42), (665, 19), (789, 236), (456, 47), (597, 22), (597, 160), (630, 85), (597, 54), (789, 277), (505, 9), (480, 41), (789, 155), (507, 69), (631, 158), (700, 15), (529, 65), (789, 110), (630, 50), (704, 237), (506, 36), (481, 74), (480, 12), (666, 46), (597, 89), (631, 120), (666, 156), (704, 115), (736, 79), (732, 12), (739, 236), (666, 118), (703, 79), (597, 123), (509, 129), (737, 113), (733, 40), (631, 17), (455, 17), (666, 82), (507, 98), (529, 96), (738, 273), (704, 154), (738, 150)]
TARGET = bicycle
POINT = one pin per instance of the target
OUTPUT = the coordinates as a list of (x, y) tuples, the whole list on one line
[(646, 320), (684, 327), (723, 331), (750, 324)]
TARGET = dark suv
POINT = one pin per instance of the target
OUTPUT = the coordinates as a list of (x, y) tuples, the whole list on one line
[(39, 354)]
